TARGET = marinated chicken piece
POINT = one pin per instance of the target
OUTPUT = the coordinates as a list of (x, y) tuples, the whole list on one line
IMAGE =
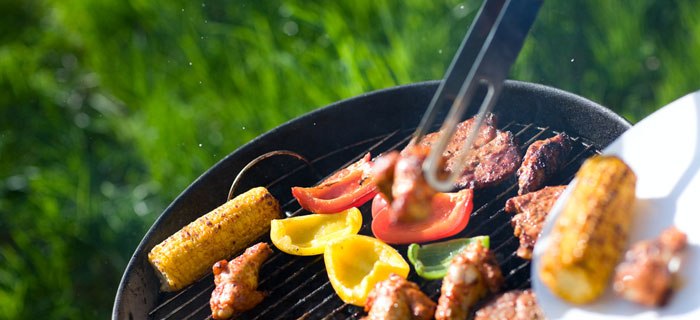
[(531, 210), (512, 305), (398, 298), (472, 274), (494, 157), (542, 160), (400, 179), (646, 276), (237, 282)]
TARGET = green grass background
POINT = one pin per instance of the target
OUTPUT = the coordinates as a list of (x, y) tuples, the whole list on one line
[(110, 108)]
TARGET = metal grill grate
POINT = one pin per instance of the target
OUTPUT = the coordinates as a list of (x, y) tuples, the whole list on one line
[(298, 287)]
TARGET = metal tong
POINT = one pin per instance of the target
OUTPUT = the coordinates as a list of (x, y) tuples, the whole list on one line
[(483, 59)]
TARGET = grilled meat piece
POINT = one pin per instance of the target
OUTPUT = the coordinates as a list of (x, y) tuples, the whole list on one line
[(646, 276), (512, 305), (493, 163), (530, 212), (384, 170), (542, 160), (398, 298), (400, 179), (494, 157), (237, 282), (472, 274), (487, 132)]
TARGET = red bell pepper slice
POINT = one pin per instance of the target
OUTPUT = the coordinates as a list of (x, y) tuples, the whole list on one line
[(347, 188), (449, 215)]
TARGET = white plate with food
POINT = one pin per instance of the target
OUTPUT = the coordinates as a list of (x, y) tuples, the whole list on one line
[(663, 150)]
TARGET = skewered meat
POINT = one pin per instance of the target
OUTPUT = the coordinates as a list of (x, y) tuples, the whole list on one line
[(646, 275), (494, 157), (237, 282), (512, 305), (542, 160), (472, 274), (397, 298), (531, 210), (400, 179)]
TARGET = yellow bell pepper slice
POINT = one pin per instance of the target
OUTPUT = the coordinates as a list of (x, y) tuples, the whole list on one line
[(356, 263), (308, 235)]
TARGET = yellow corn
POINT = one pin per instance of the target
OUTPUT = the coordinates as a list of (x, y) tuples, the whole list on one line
[(591, 232), (188, 254)]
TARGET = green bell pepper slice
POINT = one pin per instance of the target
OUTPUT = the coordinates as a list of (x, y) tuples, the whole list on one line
[(431, 260)]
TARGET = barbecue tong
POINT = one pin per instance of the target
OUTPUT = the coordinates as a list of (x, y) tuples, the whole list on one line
[(483, 60)]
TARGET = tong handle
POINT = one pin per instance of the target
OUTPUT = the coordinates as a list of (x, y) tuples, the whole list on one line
[(484, 58)]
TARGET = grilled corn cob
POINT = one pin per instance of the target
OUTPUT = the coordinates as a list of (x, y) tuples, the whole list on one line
[(188, 254), (590, 233)]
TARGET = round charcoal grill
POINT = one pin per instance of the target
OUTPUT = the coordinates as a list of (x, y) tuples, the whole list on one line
[(331, 138)]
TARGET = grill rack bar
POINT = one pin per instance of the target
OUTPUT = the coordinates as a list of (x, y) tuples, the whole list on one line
[(293, 291), (196, 298)]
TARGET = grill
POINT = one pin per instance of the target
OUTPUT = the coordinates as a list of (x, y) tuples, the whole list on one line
[(298, 287)]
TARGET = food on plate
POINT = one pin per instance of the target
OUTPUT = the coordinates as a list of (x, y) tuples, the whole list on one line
[(495, 156), (347, 188), (237, 282), (591, 231), (356, 263), (431, 261), (530, 211), (512, 305), (472, 275), (308, 235), (400, 299), (188, 254), (542, 160), (449, 214), (647, 274)]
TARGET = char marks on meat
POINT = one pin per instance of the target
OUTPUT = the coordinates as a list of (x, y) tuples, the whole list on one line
[(531, 210), (494, 158), (512, 305), (493, 163), (398, 299), (646, 276), (542, 160)]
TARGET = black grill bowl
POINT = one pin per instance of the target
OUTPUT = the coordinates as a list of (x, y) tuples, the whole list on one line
[(330, 138)]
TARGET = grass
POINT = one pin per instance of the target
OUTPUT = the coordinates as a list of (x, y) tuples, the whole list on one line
[(109, 109)]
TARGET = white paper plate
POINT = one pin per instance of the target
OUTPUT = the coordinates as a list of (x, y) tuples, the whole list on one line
[(664, 151)]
